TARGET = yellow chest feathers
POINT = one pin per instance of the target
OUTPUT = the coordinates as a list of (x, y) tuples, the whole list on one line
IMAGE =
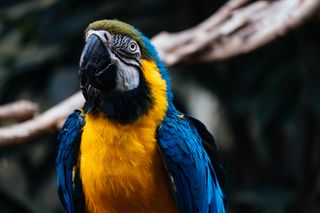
[(121, 168)]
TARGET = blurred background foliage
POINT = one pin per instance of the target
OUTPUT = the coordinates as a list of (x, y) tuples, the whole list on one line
[(263, 107)]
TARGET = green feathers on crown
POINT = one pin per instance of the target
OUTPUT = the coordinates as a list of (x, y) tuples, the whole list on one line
[(118, 27)]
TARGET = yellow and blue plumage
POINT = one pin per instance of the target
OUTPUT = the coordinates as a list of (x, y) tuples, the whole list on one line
[(129, 149)]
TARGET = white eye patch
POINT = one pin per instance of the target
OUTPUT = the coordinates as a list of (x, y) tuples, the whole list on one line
[(127, 77)]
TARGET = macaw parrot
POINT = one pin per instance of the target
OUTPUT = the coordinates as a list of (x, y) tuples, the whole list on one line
[(129, 149)]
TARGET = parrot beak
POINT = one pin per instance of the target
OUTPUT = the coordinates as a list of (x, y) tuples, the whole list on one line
[(95, 63)]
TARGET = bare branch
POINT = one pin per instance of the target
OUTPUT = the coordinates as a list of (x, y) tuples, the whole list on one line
[(235, 29), (49, 121), (18, 111), (240, 26)]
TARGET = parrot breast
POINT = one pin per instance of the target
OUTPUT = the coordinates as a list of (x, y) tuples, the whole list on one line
[(121, 169)]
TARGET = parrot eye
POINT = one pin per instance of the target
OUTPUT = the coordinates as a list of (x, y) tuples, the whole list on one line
[(133, 47), (126, 48)]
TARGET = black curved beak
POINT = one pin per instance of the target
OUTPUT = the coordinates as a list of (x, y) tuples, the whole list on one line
[(96, 68)]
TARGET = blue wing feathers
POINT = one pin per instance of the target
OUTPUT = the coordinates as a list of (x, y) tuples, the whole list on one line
[(68, 148), (211, 148), (186, 159)]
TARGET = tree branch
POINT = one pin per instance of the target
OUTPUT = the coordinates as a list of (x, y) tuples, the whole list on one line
[(49, 121), (237, 28), (18, 111)]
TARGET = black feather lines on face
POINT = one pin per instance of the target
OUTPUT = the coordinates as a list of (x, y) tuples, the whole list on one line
[(121, 106)]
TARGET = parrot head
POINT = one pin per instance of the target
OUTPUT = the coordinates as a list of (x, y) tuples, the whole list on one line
[(120, 73)]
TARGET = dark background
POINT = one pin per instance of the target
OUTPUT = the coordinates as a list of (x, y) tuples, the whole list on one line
[(263, 107)]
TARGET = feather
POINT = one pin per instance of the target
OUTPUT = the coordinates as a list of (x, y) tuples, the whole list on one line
[(68, 148), (186, 159)]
